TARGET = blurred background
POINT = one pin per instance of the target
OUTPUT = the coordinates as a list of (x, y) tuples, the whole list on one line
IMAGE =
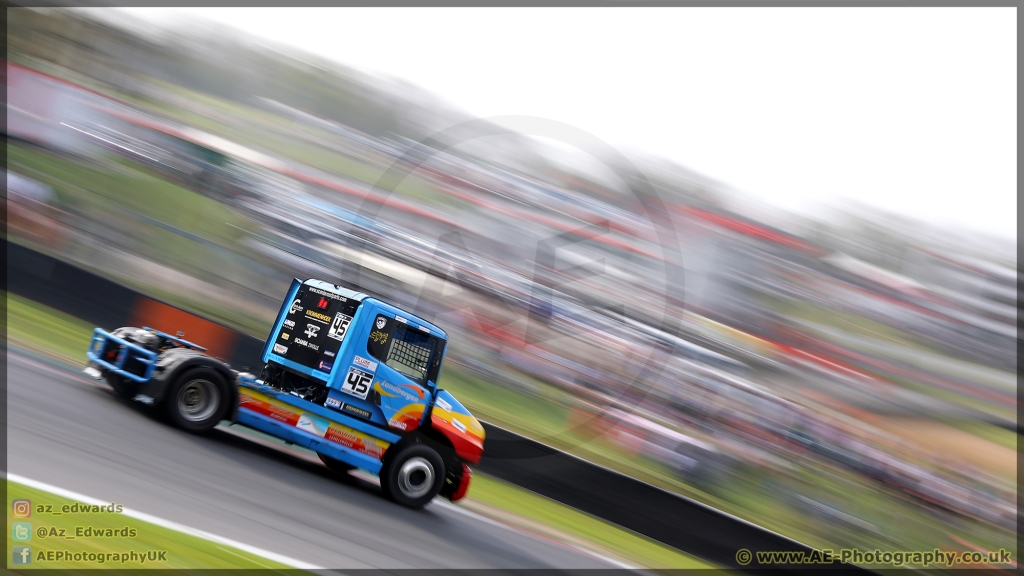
[(847, 380)]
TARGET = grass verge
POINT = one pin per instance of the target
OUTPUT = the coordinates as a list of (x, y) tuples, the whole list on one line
[(46, 330), (57, 537)]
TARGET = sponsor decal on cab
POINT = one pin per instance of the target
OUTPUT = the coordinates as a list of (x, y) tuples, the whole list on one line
[(365, 364), (407, 391), (328, 294), (318, 316), (408, 418), (305, 343), (279, 349)]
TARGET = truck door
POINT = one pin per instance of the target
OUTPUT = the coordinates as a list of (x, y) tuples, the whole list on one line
[(405, 355)]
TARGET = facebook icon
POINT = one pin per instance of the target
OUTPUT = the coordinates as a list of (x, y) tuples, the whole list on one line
[(21, 554)]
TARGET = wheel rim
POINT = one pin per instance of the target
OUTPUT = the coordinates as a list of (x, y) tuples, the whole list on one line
[(197, 400), (416, 477)]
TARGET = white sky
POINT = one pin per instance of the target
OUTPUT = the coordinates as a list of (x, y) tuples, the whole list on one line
[(911, 110)]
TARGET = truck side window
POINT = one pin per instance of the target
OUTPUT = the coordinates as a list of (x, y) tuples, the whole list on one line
[(435, 363), (380, 336), (410, 353)]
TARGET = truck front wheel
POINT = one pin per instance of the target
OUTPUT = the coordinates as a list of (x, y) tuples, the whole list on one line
[(413, 475), (196, 400)]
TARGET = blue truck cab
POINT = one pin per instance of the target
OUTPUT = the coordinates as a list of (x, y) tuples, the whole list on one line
[(346, 375)]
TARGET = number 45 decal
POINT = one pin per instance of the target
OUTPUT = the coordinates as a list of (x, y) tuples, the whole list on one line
[(339, 326), (357, 383)]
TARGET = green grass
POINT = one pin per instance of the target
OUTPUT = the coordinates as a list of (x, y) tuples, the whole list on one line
[(183, 551), (77, 184), (990, 432), (44, 329), (628, 545)]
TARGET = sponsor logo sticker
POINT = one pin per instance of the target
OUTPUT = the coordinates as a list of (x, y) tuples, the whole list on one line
[(364, 363), (296, 307), (289, 323), (312, 424), (458, 425), (318, 316), (285, 336), (400, 319), (443, 405), (381, 321), (279, 349), (333, 403), (312, 330), (339, 326), (356, 410), (329, 353), (325, 366), (328, 294), (403, 391), (305, 343), (397, 424)]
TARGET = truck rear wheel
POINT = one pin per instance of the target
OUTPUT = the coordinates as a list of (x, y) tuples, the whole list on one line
[(413, 475), (196, 400), (119, 386)]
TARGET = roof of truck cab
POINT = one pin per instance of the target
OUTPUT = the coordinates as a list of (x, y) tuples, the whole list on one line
[(361, 297), (334, 288), (409, 317)]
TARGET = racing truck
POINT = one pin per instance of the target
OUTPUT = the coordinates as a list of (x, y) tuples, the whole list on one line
[(344, 374)]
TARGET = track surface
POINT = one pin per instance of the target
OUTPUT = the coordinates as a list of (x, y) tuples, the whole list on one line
[(69, 431)]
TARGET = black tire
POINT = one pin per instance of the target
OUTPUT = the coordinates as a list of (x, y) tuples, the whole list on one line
[(335, 465), (413, 475), (196, 400), (121, 388)]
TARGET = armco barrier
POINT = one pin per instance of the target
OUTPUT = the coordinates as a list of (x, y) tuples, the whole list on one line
[(663, 516)]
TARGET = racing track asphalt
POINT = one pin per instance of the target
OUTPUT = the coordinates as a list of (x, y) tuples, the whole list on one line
[(69, 431)]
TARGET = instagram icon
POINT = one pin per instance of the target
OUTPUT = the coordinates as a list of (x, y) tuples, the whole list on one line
[(21, 508)]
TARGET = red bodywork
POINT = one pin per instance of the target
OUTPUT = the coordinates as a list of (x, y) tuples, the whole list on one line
[(460, 492), (467, 446)]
